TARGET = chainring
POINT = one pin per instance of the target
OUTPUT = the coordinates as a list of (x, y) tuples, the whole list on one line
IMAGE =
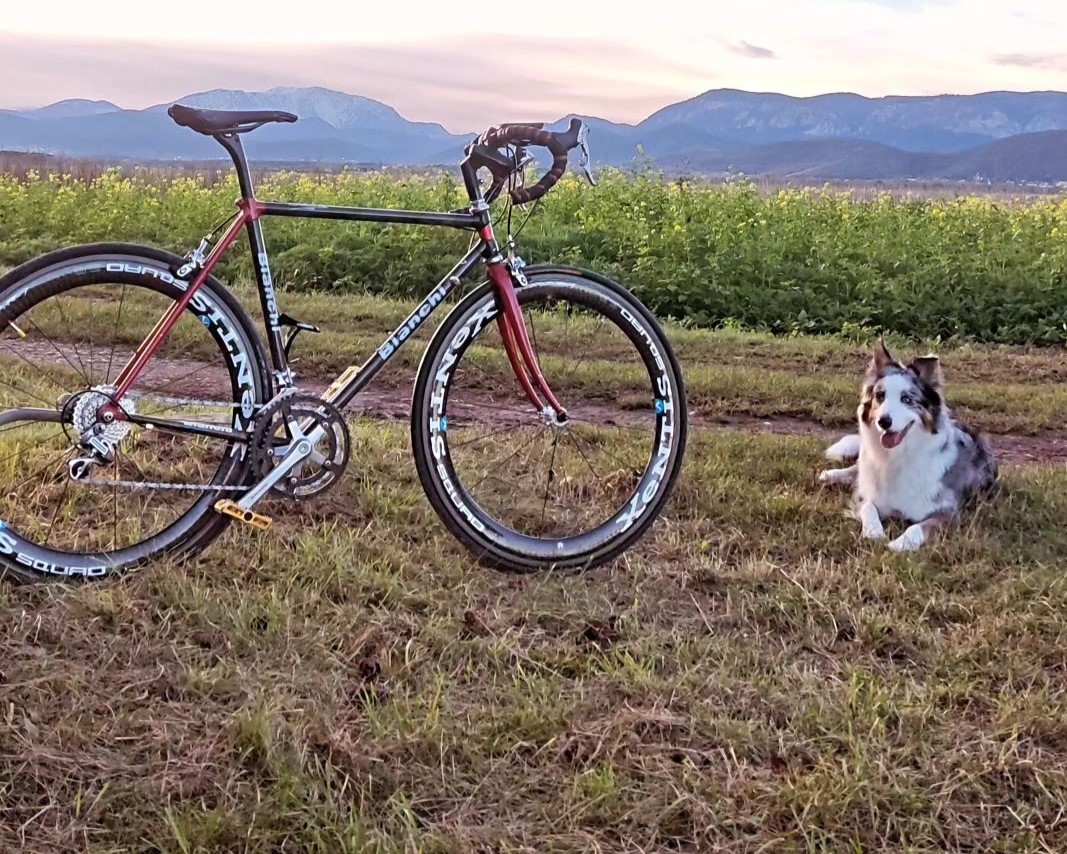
[(272, 435)]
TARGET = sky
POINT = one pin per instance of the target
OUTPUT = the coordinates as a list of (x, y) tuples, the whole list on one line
[(436, 61)]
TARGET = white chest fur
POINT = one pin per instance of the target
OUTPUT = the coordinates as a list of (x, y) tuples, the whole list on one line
[(907, 481)]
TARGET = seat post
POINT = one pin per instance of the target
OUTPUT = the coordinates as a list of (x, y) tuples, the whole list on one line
[(232, 143)]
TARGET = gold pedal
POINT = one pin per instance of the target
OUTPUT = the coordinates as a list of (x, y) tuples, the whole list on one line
[(249, 517)]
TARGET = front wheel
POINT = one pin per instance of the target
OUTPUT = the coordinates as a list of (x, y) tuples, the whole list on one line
[(525, 494)]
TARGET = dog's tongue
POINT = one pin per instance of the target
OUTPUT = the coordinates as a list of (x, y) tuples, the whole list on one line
[(891, 440)]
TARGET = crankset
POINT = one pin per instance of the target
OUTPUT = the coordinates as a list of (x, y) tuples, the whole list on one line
[(300, 447), (282, 427)]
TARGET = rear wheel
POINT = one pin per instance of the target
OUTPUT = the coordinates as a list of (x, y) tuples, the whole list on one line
[(526, 494), (68, 324)]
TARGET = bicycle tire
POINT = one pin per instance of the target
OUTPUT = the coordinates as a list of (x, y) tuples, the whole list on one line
[(243, 359), (493, 543)]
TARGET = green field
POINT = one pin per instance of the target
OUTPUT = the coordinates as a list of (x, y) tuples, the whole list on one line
[(752, 677), (810, 261)]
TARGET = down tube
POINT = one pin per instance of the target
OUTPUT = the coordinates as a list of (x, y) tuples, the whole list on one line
[(353, 380)]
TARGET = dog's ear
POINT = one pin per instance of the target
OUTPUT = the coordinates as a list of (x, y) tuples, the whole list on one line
[(928, 369), (880, 359)]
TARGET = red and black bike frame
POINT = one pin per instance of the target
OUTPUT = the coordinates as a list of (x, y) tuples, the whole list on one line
[(248, 218)]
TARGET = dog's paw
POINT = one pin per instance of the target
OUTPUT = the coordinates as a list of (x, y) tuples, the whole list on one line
[(873, 534), (911, 540), (837, 476), (847, 448)]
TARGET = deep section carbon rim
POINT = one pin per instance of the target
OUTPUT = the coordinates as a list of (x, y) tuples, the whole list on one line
[(65, 334), (520, 487)]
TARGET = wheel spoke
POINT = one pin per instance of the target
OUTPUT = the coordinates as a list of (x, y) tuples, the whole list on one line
[(578, 448), (115, 504), (506, 429), (77, 355), (55, 512), (47, 376), (52, 460), (574, 370), (114, 339), (38, 444), (550, 478), (92, 353), (589, 444), (59, 352), (169, 384), (508, 457)]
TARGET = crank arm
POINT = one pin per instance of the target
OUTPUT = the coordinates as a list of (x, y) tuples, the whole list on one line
[(299, 451), (10, 416), (196, 428)]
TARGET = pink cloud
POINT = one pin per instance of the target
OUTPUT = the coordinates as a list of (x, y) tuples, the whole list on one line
[(443, 81)]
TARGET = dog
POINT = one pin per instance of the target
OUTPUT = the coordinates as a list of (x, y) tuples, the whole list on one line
[(913, 460)]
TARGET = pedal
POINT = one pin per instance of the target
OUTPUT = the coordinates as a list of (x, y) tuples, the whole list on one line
[(249, 517)]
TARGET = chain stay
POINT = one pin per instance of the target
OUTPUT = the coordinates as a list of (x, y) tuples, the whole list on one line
[(187, 487)]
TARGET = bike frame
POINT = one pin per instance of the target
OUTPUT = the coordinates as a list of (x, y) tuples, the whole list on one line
[(251, 211)]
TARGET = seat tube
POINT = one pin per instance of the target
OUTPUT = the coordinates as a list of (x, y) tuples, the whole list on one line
[(268, 299)]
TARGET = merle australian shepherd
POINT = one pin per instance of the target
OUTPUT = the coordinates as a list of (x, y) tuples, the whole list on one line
[(914, 461)]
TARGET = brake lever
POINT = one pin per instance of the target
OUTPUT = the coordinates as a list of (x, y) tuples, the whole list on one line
[(584, 163), (523, 158)]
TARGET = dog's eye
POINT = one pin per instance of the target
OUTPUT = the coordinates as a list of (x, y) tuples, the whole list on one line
[(879, 396), (907, 399)]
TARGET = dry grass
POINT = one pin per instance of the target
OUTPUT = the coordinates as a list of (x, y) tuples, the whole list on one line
[(751, 678)]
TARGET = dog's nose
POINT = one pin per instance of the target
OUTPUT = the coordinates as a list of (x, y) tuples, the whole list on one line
[(885, 422)]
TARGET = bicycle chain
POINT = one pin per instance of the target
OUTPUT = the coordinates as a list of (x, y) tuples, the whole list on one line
[(140, 484), (220, 404)]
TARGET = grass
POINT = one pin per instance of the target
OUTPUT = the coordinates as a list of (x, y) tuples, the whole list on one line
[(751, 677)]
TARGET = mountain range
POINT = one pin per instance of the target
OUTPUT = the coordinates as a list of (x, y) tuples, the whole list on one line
[(994, 136)]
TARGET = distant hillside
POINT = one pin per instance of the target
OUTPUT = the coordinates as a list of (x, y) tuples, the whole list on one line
[(74, 108), (997, 136), (933, 123), (334, 127), (1038, 158), (1028, 158)]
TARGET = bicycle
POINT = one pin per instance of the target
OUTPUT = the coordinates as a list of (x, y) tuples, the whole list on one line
[(198, 426)]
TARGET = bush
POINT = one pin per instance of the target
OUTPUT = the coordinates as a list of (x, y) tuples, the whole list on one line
[(789, 261)]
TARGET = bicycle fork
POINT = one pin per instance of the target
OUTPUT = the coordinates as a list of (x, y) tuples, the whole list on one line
[(516, 340)]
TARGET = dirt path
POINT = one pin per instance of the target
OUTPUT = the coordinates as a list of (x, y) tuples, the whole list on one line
[(193, 379)]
